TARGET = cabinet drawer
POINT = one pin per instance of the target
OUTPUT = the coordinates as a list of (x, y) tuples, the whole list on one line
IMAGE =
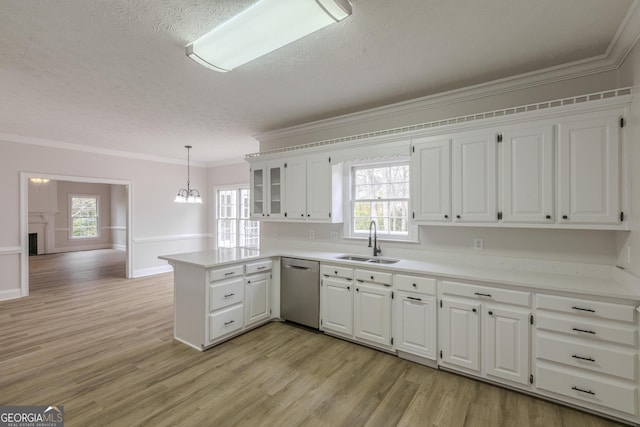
[(225, 293), (225, 321), (585, 328), (374, 276), (422, 285), (259, 267), (334, 271), (587, 356), (588, 388), (487, 294), (591, 308), (226, 273)]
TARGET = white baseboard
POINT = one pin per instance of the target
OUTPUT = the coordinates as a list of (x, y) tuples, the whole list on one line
[(119, 247), (152, 271), (10, 294)]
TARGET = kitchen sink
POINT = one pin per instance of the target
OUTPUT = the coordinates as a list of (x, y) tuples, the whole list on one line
[(353, 258), (383, 260), (361, 258)]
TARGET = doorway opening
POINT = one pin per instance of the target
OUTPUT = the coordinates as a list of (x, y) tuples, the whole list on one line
[(69, 215)]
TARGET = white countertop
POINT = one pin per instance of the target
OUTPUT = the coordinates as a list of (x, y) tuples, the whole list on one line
[(610, 287)]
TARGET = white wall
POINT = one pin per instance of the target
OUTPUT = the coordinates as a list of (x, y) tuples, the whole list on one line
[(62, 241), (160, 226), (577, 246), (118, 212), (629, 75)]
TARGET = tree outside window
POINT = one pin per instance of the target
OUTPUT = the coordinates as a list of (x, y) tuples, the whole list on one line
[(380, 193), (84, 217)]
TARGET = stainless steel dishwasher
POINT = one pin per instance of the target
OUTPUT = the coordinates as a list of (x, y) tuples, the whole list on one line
[(300, 291)]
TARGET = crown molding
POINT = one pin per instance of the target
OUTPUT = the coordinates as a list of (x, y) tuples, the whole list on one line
[(621, 45), (50, 143)]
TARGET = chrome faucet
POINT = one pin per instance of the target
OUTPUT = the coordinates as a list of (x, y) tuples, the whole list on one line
[(376, 248)]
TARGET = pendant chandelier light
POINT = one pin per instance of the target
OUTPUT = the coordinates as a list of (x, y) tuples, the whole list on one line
[(188, 195)]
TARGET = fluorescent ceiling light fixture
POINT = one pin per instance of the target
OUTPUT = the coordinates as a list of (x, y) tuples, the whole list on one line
[(262, 28), (39, 180)]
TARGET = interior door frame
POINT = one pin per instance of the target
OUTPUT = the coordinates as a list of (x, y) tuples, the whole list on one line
[(24, 219)]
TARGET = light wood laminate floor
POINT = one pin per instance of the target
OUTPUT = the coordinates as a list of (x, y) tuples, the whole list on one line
[(102, 346)]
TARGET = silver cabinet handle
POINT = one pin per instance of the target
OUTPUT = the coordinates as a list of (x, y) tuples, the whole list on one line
[(582, 390), (583, 330), (583, 309), (229, 295), (229, 322)]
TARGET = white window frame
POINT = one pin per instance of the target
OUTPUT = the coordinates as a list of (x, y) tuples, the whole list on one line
[(98, 222), (349, 201), (238, 217)]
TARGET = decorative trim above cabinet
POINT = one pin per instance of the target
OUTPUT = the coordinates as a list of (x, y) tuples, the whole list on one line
[(555, 107)]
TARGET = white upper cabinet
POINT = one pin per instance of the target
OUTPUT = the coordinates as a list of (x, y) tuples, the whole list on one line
[(588, 170), (527, 175), (295, 175), (474, 177), (305, 188), (431, 179), (324, 195), (267, 190)]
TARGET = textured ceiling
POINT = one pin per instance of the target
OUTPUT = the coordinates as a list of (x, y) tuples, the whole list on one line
[(113, 73)]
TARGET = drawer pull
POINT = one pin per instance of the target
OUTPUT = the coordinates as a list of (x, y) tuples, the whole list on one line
[(583, 391), (229, 295), (414, 298), (588, 359), (261, 268), (483, 295), (231, 273), (414, 285), (229, 322), (583, 309), (584, 330)]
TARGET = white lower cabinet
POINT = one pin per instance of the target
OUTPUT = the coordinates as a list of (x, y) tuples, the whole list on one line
[(214, 304), (460, 334), (372, 312), (587, 354), (337, 305), (507, 337), (257, 298), (415, 324), (485, 331), (356, 304)]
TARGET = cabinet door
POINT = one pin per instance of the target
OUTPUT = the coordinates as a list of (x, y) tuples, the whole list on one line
[(415, 324), (507, 337), (527, 181), (430, 180), (588, 171), (318, 191), (295, 177), (258, 194), (256, 294), (474, 178), (460, 334), (337, 305), (276, 190), (372, 312)]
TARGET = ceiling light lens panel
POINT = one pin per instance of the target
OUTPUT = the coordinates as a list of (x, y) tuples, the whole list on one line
[(264, 27)]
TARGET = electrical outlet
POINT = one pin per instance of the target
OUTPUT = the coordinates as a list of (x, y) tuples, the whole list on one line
[(627, 255), (312, 234), (334, 235), (478, 244)]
